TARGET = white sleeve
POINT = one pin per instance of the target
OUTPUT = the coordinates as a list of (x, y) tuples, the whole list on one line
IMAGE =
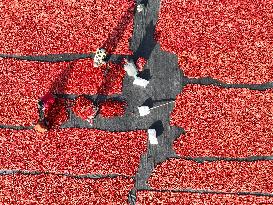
[(130, 69)]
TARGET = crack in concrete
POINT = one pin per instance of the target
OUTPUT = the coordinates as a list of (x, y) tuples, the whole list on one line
[(211, 81), (229, 159), (13, 127), (64, 57), (204, 191), (83, 176)]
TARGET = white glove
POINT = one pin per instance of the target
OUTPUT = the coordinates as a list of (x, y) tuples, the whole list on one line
[(130, 69), (143, 110), (140, 82)]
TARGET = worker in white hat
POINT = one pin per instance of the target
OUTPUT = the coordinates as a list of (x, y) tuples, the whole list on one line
[(132, 71)]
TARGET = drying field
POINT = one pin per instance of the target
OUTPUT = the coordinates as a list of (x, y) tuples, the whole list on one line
[(224, 155)]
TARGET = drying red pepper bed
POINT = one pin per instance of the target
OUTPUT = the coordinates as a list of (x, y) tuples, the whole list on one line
[(86, 79), (218, 176), (23, 83), (224, 122), (228, 40), (83, 108), (76, 151), (34, 27), (112, 108), (52, 189), (57, 114), (171, 198)]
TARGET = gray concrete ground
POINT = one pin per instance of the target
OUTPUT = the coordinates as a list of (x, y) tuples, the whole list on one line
[(165, 84)]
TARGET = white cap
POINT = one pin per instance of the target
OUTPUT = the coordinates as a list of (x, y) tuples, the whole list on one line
[(140, 82), (140, 7), (130, 69), (99, 57), (152, 136), (143, 110)]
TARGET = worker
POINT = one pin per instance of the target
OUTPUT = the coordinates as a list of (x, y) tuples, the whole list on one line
[(132, 71)]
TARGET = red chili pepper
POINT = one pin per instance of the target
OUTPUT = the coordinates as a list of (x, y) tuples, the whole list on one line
[(76, 151), (83, 108), (56, 114), (221, 40), (141, 62), (112, 108), (224, 122), (54, 189), (58, 27), (23, 83), (169, 197), (224, 176)]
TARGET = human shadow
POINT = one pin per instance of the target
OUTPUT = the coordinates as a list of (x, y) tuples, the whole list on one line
[(158, 126), (147, 43), (145, 74), (114, 38), (110, 45), (57, 87)]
